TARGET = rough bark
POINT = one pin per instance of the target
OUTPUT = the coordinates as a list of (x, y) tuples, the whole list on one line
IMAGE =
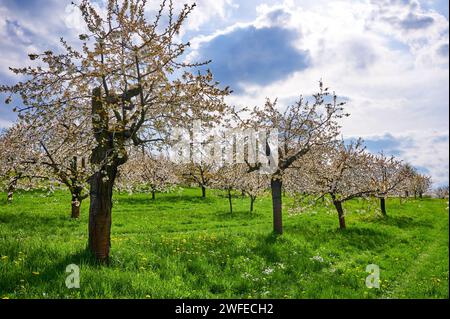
[(100, 213), (276, 186), (340, 210), (106, 156)]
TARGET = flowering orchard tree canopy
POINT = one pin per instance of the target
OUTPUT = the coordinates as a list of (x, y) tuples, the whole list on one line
[(340, 171), (18, 159), (147, 172), (129, 80), (201, 174), (301, 126), (387, 175), (64, 142)]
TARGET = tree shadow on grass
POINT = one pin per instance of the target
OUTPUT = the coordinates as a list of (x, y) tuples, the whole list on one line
[(403, 222), (355, 236), (35, 223), (53, 275), (172, 199), (237, 215), (362, 238)]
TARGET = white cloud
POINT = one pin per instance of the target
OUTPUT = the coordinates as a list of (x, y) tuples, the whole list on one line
[(5, 124), (396, 79), (427, 150)]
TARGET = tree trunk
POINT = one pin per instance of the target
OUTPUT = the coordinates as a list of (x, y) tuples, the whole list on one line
[(338, 205), (75, 210), (276, 185), (11, 190), (252, 201), (230, 201), (76, 206), (153, 195), (109, 154), (383, 205), (100, 213), (203, 192)]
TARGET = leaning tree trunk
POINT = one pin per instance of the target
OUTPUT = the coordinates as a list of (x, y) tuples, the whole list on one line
[(230, 201), (340, 210), (203, 191), (383, 205), (276, 186)]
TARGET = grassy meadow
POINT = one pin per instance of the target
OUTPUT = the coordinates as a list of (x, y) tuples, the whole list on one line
[(183, 246)]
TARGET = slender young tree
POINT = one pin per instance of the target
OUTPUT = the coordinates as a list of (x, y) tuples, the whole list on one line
[(200, 174), (340, 171), (146, 172), (254, 185), (387, 175), (228, 178), (129, 81)]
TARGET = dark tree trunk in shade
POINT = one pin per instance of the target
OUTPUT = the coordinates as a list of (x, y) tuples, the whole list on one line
[(153, 195), (75, 210), (230, 201), (203, 192), (340, 210), (252, 202), (383, 205), (276, 186)]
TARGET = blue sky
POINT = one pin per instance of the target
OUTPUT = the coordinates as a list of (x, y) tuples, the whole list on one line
[(388, 58)]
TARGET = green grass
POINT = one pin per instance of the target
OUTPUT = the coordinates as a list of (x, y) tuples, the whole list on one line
[(182, 246)]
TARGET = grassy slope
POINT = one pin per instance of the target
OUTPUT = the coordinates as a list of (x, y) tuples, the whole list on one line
[(183, 246)]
